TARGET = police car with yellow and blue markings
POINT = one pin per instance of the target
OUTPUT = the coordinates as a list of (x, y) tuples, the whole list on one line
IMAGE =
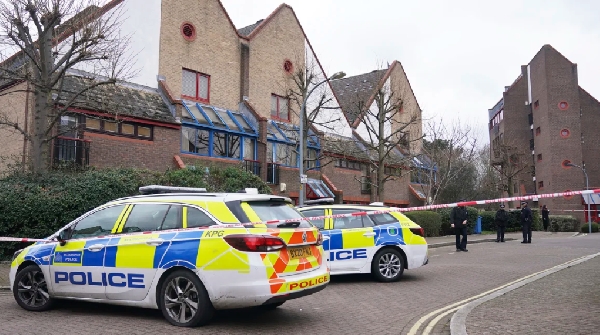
[(383, 244), (180, 250)]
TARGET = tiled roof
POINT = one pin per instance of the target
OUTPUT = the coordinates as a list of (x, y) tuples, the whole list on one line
[(345, 146), (352, 91), (249, 29), (120, 99)]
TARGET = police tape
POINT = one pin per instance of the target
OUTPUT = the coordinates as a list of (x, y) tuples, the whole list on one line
[(335, 216)]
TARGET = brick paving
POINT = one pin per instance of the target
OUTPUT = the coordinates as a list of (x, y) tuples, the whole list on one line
[(349, 305), (565, 302)]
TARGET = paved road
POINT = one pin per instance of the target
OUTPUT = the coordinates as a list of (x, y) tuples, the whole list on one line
[(351, 304)]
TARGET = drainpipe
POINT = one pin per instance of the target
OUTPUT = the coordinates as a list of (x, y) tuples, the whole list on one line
[(26, 127)]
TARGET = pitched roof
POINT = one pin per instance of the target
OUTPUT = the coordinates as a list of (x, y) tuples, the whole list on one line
[(245, 31), (119, 99), (345, 146), (352, 91)]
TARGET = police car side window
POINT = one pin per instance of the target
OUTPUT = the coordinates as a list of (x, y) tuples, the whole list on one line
[(173, 218), (97, 224), (315, 212), (347, 222), (145, 217), (380, 219), (196, 218)]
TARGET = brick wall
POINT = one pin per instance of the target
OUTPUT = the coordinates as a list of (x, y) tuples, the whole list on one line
[(279, 39), (590, 129), (114, 151), (216, 51), (400, 87), (12, 107)]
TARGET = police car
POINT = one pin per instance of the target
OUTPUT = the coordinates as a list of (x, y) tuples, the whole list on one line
[(381, 244), (180, 250)]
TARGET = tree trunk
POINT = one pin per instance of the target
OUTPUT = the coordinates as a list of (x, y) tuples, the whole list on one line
[(510, 191), (40, 153)]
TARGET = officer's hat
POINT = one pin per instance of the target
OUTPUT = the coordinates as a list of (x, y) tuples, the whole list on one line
[(501, 205)]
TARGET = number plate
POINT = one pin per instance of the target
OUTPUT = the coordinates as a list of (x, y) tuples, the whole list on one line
[(299, 252)]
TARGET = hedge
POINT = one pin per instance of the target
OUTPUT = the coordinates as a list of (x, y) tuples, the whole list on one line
[(488, 220), (430, 221), (36, 206), (445, 216), (563, 223), (585, 228)]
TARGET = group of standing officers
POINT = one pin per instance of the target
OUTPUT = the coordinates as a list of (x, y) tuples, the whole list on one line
[(459, 215)]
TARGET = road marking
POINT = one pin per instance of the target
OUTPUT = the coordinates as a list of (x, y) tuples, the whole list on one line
[(415, 328)]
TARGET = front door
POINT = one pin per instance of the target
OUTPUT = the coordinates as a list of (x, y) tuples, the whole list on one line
[(132, 259), (76, 268), (351, 241)]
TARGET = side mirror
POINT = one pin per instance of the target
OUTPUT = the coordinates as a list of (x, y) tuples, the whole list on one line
[(62, 237)]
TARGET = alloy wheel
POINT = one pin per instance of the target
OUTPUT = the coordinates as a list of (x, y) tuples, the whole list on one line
[(181, 299), (390, 265), (32, 289)]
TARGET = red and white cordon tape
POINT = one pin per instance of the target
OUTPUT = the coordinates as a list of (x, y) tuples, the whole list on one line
[(392, 209)]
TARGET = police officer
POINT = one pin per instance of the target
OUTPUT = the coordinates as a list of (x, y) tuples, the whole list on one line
[(458, 220), (526, 221), (501, 220)]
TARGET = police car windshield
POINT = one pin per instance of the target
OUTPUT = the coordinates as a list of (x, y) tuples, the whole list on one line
[(277, 210)]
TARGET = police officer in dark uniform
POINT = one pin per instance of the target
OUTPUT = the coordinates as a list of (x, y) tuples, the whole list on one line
[(458, 220), (526, 221), (501, 220)]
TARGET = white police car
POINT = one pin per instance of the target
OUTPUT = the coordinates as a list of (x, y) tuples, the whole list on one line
[(183, 251)]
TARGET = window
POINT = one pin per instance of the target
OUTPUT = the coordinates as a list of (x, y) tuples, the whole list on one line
[(249, 150), (97, 224), (114, 127), (538, 131), (381, 219), (365, 184), (315, 212), (540, 184), (350, 222), (226, 145), (536, 104), (277, 210), (195, 85), (68, 126), (279, 108), (197, 218), (151, 217), (539, 157)]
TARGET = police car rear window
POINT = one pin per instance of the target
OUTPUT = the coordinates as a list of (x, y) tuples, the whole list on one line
[(380, 219), (277, 210)]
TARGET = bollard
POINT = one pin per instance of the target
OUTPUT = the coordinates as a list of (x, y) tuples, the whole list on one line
[(478, 226)]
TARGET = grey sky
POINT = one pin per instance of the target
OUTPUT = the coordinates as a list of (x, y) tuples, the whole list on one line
[(458, 55)]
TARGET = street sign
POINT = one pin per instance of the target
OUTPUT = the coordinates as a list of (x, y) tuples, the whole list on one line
[(303, 179)]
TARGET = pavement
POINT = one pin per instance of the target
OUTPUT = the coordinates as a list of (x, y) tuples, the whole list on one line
[(415, 305)]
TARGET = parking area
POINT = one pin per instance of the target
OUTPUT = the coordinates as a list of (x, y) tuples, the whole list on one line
[(350, 304)]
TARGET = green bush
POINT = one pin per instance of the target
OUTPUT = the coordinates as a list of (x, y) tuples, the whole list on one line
[(488, 220), (563, 223), (585, 228), (35, 206), (430, 221), (472, 215)]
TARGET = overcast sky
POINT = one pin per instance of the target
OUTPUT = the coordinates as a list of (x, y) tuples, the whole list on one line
[(458, 55)]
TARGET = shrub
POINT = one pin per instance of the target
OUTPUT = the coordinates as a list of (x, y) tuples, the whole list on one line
[(488, 220), (585, 228), (430, 221), (563, 223), (35, 206)]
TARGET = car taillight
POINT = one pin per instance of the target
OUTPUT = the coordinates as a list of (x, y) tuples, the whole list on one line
[(418, 231), (254, 243), (320, 239)]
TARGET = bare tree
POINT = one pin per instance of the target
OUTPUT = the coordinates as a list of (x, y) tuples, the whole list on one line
[(453, 149), (511, 161), (384, 130), (48, 39), (488, 178)]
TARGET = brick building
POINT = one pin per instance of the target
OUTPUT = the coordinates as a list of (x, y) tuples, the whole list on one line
[(222, 98), (550, 121)]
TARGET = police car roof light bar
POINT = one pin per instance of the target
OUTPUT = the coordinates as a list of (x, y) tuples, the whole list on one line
[(319, 201), (155, 189)]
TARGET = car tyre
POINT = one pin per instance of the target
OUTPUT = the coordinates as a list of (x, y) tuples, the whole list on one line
[(30, 289), (270, 307), (387, 265), (184, 301)]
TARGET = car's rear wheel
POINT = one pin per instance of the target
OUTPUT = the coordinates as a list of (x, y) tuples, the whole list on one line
[(31, 290), (184, 301), (387, 265)]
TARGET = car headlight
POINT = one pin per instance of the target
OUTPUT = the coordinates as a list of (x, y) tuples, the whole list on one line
[(16, 254)]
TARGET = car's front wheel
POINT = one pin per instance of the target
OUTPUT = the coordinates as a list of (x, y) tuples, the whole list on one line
[(31, 290), (388, 265), (184, 301)]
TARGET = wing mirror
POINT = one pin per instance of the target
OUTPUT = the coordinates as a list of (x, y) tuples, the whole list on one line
[(63, 236)]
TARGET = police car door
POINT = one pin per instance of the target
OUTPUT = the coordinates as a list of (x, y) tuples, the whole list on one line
[(350, 242), (76, 267), (132, 260)]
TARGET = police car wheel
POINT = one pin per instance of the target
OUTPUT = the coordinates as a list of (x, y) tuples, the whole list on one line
[(184, 301), (388, 265), (31, 290)]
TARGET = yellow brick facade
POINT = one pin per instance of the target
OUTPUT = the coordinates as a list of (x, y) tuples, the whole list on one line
[(12, 109), (400, 86)]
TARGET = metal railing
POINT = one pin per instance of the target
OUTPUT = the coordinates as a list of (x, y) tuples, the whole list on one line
[(71, 151), (252, 166), (273, 173)]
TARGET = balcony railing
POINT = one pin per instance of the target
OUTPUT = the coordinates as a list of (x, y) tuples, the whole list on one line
[(71, 151), (273, 173), (252, 166)]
